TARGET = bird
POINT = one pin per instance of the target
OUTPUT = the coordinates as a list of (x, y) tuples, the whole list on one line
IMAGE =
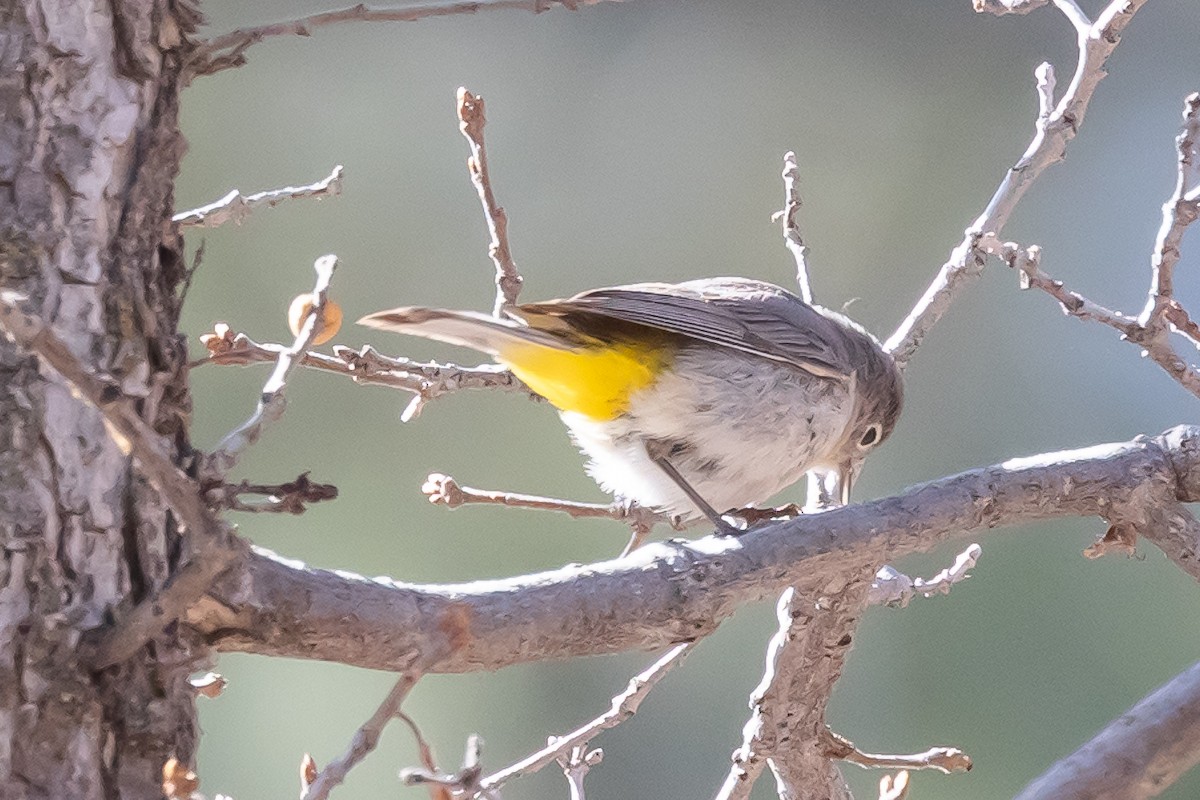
[(694, 399)]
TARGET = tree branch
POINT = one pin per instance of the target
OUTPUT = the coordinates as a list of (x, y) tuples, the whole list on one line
[(624, 706), (1137, 755), (1051, 135), (472, 118), (426, 380), (228, 50), (364, 741), (273, 401), (685, 589), (236, 206)]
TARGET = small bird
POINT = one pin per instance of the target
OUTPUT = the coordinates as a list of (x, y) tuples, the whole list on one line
[(692, 398)]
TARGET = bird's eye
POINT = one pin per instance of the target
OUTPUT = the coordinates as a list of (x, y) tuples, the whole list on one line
[(870, 437)]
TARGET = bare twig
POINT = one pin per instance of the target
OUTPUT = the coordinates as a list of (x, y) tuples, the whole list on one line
[(893, 588), (426, 380), (228, 50), (425, 754), (471, 120), (444, 490), (364, 741), (1137, 755), (947, 760), (272, 402), (464, 783), (292, 497), (624, 706), (1052, 133), (1180, 210), (894, 787), (212, 543), (792, 238), (576, 765), (1162, 315), (236, 206)]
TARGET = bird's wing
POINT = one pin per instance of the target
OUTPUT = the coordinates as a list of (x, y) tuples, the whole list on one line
[(750, 316)]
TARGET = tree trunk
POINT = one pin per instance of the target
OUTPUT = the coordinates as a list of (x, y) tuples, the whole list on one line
[(89, 151)]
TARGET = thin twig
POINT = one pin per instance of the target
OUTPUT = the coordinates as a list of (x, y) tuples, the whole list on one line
[(426, 380), (425, 754), (272, 402), (624, 706), (464, 783), (792, 238), (894, 787), (211, 543), (947, 760), (1177, 214), (1048, 146), (364, 741), (445, 491), (236, 206), (1162, 314), (228, 50), (292, 497), (471, 120), (894, 588), (576, 765)]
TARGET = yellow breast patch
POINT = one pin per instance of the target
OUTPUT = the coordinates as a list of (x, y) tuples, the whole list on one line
[(594, 381)]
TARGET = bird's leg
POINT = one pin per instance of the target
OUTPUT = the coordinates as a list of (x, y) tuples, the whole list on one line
[(723, 526)]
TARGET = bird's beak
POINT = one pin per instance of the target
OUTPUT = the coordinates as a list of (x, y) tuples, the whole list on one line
[(831, 489)]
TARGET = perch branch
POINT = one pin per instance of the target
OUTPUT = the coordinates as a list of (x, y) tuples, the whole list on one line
[(624, 706), (236, 206), (685, 589), (212, 542), (1052, 133), (273, 402), (425, 380), (472, 118), (1137, 755), (364, 741), (228, 50)]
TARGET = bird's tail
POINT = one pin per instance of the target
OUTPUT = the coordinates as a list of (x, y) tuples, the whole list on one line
[(488, 334)]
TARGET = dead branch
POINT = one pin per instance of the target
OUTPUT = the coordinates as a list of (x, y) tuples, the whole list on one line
[(425, 380), (894, 588), (236, 207), (273, 401), (471, 120), (229, 49), (792, 237)]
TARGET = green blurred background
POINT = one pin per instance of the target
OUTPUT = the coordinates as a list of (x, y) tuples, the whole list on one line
[(641, 141)]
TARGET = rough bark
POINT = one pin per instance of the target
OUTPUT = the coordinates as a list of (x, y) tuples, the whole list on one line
[(89, 151)]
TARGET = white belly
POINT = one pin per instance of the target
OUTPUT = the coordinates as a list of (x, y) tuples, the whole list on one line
[(738, 429)]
